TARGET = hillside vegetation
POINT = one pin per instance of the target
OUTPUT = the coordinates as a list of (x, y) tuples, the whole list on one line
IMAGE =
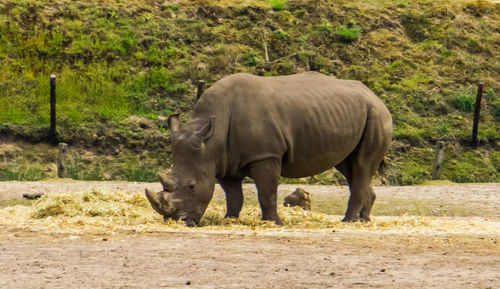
[(123, 66)]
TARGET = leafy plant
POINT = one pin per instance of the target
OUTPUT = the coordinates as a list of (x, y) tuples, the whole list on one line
[(280, 34), (400, 3), (325, 28), (278, 5), (349, 33), (250, 59), (464, 102)]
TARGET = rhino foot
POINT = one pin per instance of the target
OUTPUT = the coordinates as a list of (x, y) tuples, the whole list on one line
[(277, 220), (189, 222), (364, 219), (347, 219)]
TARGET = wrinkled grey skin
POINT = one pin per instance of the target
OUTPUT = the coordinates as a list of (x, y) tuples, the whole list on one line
[(266, 127)]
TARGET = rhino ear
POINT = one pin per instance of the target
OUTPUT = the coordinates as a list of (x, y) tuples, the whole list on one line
[(173, 122), (206, 130)]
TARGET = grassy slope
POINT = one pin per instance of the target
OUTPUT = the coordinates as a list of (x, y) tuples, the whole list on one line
[(115, 59)]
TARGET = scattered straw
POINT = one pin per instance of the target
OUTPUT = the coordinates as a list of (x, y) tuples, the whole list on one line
[(101, 212)]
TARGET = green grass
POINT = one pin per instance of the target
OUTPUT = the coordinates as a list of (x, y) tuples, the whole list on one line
[(349, 33), (16, 202), (278, 5), (464, 102), (384, 206), (23, 172), (423, 59)]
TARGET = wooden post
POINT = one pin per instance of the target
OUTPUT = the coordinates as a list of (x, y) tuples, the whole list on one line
[(61, 160), (201, 83), (477, 111), (52, 131), (266, 52), (438, 160)]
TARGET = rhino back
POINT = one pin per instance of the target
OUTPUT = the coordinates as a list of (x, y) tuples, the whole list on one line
[(309, 120)]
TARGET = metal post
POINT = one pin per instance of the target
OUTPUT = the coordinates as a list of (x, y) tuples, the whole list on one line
[(52, 131), (438, 160), (477, 111), (201, 83)]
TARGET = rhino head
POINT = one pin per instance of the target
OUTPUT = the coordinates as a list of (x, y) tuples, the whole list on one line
[(189, 188)]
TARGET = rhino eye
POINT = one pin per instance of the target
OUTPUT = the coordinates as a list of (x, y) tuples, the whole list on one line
[(191, 185)]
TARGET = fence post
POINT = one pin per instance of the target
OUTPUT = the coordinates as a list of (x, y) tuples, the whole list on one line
[(438, 160), (201, 83), (52, 131), (266, 52), (61, 160), (477, 111)]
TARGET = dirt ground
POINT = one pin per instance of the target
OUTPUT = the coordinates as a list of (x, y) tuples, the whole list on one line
[(255, 259)]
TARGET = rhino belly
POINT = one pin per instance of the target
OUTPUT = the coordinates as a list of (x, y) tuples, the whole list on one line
[(317, 155), (312, 165)]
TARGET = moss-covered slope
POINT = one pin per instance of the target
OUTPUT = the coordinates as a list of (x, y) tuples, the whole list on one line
[(117, 59)]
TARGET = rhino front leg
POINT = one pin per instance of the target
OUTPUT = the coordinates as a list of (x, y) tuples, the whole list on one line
[(266, 175), (234, 196)]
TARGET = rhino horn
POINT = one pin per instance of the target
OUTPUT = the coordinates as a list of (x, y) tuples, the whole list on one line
[(167, 182), (173, 122), (161, 202)]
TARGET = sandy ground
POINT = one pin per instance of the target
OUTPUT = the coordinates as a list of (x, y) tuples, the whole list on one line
[(254, 259)]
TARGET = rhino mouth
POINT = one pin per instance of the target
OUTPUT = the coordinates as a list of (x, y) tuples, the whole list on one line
[(190, 221)]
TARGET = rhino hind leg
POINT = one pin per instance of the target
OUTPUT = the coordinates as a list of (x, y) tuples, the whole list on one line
[(266, 175), (234, 196), (359, 169), (362, 197), (367, 205)]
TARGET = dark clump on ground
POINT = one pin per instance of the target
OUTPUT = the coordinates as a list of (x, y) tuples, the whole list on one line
[(300, 198)]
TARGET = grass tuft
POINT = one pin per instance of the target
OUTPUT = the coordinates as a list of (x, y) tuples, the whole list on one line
[(278, 5), (349, 33)]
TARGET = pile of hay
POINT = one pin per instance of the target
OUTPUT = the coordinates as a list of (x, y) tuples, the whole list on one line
[(102, 212)]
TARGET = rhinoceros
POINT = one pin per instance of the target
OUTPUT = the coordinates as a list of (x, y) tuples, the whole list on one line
[(266, 127)]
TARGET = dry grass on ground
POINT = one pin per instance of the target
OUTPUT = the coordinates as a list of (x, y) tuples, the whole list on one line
[(109, 212)]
